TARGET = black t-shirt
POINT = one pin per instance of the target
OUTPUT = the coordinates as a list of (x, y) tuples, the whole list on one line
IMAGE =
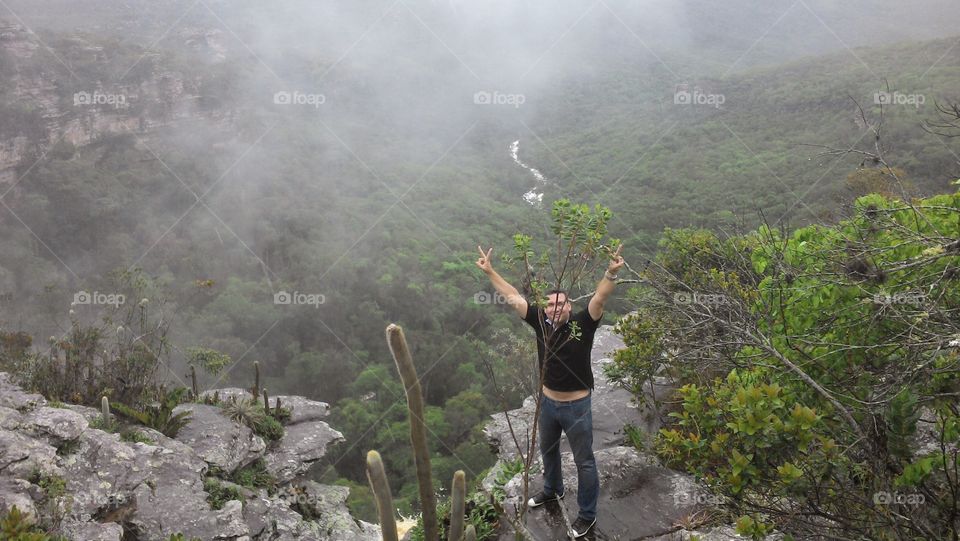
[(569, 366)]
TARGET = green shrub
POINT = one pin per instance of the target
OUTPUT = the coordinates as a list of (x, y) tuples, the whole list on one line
[(68, 447), (252, 414), (255, 475), (806, 360), (480, 509), (135, 436), (742, 431), (107, 425), (116, 357), (53, 488), (159, 417), (14, 527), (218, 494), (508, 471)]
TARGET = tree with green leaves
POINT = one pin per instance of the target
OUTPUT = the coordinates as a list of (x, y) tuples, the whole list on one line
[(819, 370)]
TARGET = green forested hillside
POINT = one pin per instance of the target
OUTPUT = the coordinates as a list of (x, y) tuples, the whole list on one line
[(378, 201), (625, 142)]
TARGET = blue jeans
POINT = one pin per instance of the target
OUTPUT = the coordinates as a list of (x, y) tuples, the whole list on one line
[(575, 418)]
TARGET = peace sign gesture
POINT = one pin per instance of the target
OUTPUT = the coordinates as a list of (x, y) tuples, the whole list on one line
[(484, 260), (615, 261)]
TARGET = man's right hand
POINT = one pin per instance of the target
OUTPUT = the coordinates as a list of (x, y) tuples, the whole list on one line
[(514, 299), (484, 261)]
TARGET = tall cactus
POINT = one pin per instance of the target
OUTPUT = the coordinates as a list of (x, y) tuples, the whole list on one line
[(458, 493), (418, 430), (105, 410), (266, 402), (418, 438), (381, 491), (256, 380)]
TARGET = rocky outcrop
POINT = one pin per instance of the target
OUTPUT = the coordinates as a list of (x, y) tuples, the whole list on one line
[(145, 98), (305, 439), (639, 497), (12, 396), (302, 409), (219, 441), (273, 519), (301, 446), (94, 485)]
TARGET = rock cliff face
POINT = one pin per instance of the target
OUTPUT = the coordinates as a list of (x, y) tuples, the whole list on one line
[(639, 497), (47, 104), (113, 489)]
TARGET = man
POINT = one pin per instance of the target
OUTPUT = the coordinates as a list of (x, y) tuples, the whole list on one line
[(567, 383)]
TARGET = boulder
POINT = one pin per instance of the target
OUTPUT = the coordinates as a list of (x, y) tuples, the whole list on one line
[(16, 493), (88, 413), (272, 518), (91, 531), (156, 490), (12, 396), (218, 440), (21, 455), (638, 497), (9, 418), (180, 506), (115, 489), (327, 517), (227, 393), (302, 409), (56, 425), (302, 445), (329, 505)]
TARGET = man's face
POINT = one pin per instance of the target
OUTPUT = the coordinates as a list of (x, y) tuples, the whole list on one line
[(558, 308)]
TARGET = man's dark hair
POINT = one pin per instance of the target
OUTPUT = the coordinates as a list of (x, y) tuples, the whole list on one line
[(566, 296)]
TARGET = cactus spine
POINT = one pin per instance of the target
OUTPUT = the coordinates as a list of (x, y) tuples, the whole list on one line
[(458, 493), (105, 410), (418, 430), (381, 490)]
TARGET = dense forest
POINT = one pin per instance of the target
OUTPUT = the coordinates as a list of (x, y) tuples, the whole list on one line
[(370, 206)]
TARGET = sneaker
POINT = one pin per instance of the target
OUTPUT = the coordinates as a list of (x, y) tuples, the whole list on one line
[(580, 527), (541, 498)]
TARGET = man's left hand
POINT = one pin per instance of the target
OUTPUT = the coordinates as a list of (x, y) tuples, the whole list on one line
[(616, 262)]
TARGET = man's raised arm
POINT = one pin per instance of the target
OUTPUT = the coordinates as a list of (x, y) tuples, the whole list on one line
[(605, 287), (514, 298)]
